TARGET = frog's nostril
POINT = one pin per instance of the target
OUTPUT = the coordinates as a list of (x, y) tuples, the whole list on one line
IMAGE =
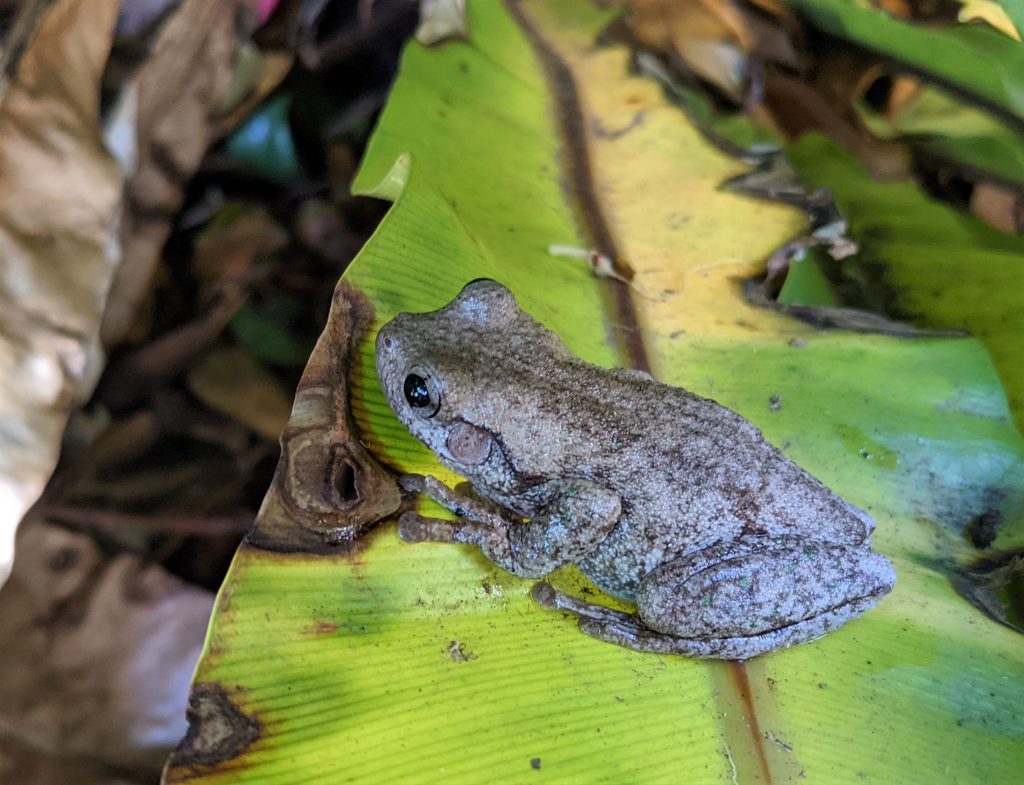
[(388, 342)]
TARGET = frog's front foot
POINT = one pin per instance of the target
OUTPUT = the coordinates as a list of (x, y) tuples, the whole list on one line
[(413, 527), (458, 503)]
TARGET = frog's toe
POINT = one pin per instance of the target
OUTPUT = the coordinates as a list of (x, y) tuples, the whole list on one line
[(545, 594), (413, 483), (412, 527)]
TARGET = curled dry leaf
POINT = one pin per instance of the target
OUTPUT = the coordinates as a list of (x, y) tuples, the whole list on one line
[(328, 487), (714, 37), (175, 96), (98, 651), (999, 206), (441, 20), (60, 193)]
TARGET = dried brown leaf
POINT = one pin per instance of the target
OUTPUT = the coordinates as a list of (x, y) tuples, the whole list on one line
[(999, 206), (176, 94), (60, 193), (688, 28), (98, 651), (225, 262)]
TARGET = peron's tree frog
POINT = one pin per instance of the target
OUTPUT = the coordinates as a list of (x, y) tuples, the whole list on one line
[(665, 499)]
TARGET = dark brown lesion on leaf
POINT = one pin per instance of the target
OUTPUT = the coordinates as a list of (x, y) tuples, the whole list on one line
[(328, 488), (582, 191), (857, 278), (984, 528), (994, 584), (218, 730)]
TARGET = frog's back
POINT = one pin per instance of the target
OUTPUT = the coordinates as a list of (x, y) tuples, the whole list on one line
[(692, 473)]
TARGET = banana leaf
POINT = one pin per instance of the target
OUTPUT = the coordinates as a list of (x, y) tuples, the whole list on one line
[(395, 662)]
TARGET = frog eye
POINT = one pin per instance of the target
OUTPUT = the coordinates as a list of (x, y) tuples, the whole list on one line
[(422, 394)]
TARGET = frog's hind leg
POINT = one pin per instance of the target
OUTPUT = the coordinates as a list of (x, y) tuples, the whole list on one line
[(738, 600), (624, 629), (634, 635), (547, 595), (628, 630)]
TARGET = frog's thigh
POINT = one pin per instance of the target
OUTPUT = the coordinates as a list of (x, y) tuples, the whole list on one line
[(636, 636), (761, 586)]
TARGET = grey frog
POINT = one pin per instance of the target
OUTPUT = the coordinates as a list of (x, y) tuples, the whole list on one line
[(664, 499)]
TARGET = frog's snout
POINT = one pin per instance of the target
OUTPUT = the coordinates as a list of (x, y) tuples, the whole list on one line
[(386, 356), (389, 345), (387, 341)]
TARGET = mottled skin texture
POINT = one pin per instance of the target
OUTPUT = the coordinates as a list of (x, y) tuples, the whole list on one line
[(663, 498)]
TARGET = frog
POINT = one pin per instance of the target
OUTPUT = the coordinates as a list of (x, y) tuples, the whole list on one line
[(665, 500)]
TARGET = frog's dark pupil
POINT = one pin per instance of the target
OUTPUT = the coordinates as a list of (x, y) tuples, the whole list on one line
[(416, 392)]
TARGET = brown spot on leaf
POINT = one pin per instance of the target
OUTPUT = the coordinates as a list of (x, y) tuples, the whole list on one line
[(995, 586), (983, 530), (218, 730), (740, 679), (320, 627)]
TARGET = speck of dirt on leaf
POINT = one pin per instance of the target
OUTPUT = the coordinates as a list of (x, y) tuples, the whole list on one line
[(459, 653), (535, 762), (797, 343), (775, 402)]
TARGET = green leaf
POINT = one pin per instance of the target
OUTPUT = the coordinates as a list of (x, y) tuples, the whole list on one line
[(939, 125), (268, 336), (419, 663), (940, 266), (805, 283), (975, 59)]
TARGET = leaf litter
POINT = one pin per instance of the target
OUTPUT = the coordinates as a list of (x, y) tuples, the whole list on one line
[(115, 132)]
